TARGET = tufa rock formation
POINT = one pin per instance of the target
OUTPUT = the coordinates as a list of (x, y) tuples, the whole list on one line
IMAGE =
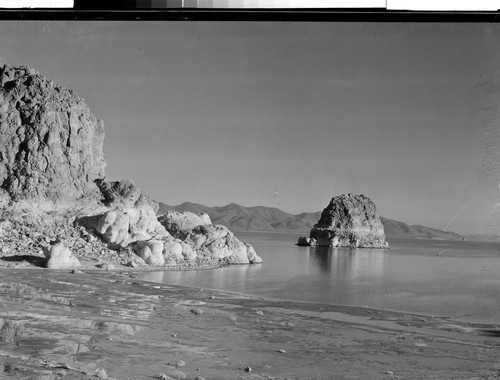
[(56, 205), (348, 221), (208, 241), (51, 144)]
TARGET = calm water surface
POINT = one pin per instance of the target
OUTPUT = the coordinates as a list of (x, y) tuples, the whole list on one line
[(447, 278)]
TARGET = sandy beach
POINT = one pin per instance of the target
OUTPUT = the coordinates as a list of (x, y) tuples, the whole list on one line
[(98, 324)]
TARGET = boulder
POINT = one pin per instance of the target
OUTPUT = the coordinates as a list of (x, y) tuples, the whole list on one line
[(150, 251), (172, 249), (60, 257), (348, 221), (304, 241)]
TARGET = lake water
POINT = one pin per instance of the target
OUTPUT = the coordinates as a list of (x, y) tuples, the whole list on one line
[(434, 277)]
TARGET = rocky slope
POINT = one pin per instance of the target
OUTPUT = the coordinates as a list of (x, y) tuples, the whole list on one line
[(58, 210), (348, 221), (270, 219), (396, 229)]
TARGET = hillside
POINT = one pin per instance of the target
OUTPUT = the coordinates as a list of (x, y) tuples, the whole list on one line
[(257, 218), (271, 219), (396, 229)]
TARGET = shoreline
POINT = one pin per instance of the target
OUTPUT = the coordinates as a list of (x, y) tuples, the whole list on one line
[(99, 324)]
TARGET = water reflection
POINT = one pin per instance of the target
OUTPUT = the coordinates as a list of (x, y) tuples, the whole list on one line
[(234, 277), (409, 277), (349, 263)]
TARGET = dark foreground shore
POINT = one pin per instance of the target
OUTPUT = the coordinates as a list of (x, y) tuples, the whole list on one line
[(62, 325)]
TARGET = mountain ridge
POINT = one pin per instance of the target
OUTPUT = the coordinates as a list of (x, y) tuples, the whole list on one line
[(272, 219)]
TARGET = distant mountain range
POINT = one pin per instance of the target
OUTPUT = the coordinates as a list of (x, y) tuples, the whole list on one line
[(271, 219)]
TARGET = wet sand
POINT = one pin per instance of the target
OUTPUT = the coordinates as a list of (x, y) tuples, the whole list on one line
[(63, 325)]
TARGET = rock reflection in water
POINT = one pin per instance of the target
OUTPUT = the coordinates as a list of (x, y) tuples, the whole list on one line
[(349, 263)]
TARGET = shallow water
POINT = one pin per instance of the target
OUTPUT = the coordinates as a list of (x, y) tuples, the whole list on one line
[(436, 277), (62, 325)]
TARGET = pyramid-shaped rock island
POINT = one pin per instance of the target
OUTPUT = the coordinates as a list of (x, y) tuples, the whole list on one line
[(348, 221)]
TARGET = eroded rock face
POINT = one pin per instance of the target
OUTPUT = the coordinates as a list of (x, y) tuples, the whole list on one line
[(51, 144), (348, 221), (202, 240), (130, 215), (180, 224)]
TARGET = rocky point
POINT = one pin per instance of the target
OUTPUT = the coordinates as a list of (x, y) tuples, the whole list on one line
[(58, 210)]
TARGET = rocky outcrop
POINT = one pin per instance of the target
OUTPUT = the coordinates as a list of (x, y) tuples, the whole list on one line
[(130, 215), (207, 241), (180, 224), (56, 202), (348, 221), (51, 144)]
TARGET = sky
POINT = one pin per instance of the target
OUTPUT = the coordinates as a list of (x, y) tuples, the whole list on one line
[(289, 114)]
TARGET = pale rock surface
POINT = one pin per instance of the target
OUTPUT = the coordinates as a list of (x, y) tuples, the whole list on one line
[(172, 250), (60, 257), (239, 255), (180, 224), (207, 241), (348, 221), (150, 251), (131, 215), (188, 252), (252, 255)]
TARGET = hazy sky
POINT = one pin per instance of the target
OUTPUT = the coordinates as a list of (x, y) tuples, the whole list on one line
[(288, 114)]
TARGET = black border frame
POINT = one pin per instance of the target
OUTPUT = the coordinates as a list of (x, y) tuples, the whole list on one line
[(313, 14)]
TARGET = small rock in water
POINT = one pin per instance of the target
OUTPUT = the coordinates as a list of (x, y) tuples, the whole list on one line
[(199, 378), (248, 369), (197, 311)]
